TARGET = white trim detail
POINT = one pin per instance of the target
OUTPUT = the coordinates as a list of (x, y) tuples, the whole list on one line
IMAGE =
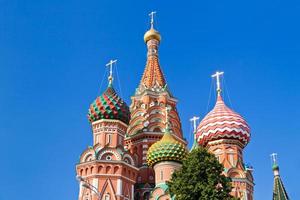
[(222, 123), (119, 187), (238, 130), (109, 151)]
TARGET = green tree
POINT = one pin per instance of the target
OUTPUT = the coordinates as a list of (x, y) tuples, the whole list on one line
[(200, 178)]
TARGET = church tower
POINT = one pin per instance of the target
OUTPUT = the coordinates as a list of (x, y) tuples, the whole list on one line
[(279, 192), (147, 114), (165, 156), (107, 170), (225, 133)]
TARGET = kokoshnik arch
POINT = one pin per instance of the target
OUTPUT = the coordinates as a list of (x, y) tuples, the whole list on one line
[(136, 149)]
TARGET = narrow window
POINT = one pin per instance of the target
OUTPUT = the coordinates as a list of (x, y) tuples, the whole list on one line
[(161, 175)]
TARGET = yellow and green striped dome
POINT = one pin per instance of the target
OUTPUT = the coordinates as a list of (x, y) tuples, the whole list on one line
[(166, 149)]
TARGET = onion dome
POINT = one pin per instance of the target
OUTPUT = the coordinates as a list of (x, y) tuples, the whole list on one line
[(222, 123), (152, 34), (166, 149), (109, 106)]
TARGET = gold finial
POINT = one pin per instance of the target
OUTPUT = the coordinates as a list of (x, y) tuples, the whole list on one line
[(152, 33), (217, 76), (110, 65)]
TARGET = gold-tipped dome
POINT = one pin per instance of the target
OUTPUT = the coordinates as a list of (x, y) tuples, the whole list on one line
[(152, 34)]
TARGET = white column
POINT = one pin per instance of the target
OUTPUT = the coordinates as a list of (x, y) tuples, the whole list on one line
[(95, 183), (80, 189), (132, 192), (119, 187)]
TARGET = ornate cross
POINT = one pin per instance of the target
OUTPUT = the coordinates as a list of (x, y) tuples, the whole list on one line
[(110, 65), (194, 121), (152, 18), (274, 158), (217, 76)]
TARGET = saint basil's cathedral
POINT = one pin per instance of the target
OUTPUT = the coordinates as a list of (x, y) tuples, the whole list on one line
[(136, 149)]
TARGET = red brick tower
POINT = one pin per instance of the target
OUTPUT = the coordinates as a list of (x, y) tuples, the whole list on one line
[(225, 133), (107, 167), (147, 114)]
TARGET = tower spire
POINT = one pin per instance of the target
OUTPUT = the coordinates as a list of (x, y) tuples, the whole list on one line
[(110, 65), (217, 76), (279, 192), (153, 76)]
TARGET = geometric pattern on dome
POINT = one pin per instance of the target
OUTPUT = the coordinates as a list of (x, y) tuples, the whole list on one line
[(166, 149), (222, 123), (109, 106)]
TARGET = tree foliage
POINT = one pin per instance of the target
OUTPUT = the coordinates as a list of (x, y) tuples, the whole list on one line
[(200, 178)]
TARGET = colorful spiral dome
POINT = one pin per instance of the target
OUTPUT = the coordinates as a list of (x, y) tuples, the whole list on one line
[(222, 123), (109, 106), (166, 149)]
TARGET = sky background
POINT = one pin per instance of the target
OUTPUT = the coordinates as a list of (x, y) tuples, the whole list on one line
[(52, 62)]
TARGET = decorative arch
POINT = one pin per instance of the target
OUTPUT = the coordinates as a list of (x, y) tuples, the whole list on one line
[(108, 169), (116, 169), (100, 168), (235, 173), (87, 155), (131, 161), (108, 151)]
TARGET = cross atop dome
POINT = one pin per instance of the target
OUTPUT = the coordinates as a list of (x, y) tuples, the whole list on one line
[(110, 65), (152, 18), (274, 158), (152, 33), (217, 75), (194, 121)]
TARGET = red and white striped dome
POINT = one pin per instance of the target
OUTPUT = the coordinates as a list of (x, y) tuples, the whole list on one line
[(222, 123)]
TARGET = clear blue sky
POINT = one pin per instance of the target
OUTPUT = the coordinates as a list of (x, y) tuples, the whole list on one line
[(52, 57)]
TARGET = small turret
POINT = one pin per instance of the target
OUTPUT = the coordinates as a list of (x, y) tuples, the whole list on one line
[(279, 192)]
